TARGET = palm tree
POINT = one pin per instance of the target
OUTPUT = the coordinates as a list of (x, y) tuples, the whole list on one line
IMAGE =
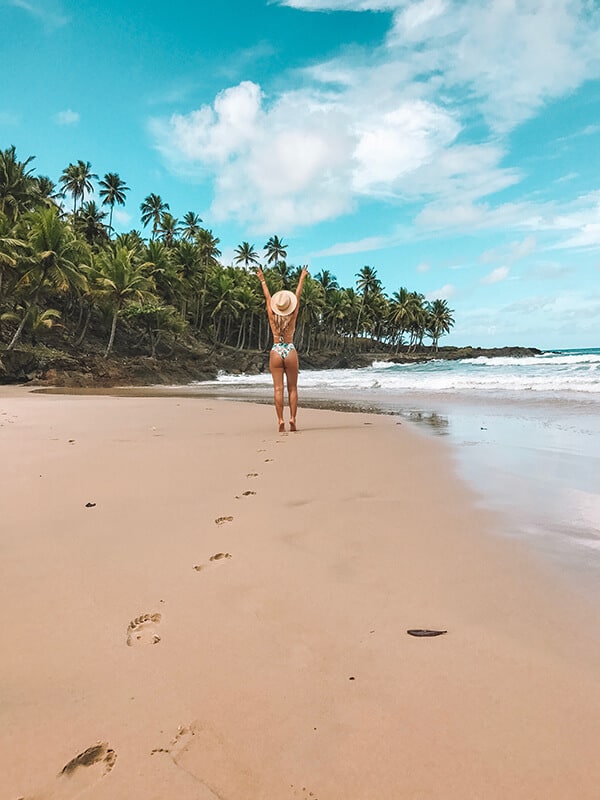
[(249, 305), (112, 190), (10, 246), (187, 259), (38, 321), (208, 246), (246, 254), (46, 193), (17, 184), (132, 240), (402, 309), (418, 319), (120, 278), (367, 285), (56, 261), (276, 250), (224, 299), (283, 272), (311, 310), (164, 269), (191, 226), (168, 227), (335, 312), (152, 209), (209, 253), (327, 281), (77, 180), (89, 222), (439, 320)]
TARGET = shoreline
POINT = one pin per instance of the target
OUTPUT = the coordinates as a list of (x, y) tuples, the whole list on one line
[(248, 692)]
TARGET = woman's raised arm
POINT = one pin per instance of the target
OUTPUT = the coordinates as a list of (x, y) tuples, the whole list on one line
[(263, 283)]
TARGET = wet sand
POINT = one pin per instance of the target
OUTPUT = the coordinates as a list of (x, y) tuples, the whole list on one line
[(197, 607)]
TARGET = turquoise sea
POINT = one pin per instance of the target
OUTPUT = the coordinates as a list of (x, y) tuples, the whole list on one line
[(525, 433)]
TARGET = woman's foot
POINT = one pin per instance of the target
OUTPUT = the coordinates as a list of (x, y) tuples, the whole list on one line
[(282, 427), (292, 424)]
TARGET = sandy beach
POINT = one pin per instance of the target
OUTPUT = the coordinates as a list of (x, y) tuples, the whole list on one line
[(197, 607)]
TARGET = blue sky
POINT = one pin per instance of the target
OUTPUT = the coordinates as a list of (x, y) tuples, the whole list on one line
[(452, 145)]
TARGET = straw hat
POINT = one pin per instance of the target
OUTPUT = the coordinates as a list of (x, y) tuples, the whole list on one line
[(284, 303)]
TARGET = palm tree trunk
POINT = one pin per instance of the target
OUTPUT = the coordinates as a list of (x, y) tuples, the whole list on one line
[(241, 330), (81, 337), (113, 329), (19, 330), (33, 305)]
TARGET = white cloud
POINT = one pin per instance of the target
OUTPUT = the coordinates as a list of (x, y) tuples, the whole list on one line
[(588, 237), (443, 293), (496, 275), (392, 122), (569, 312), (67, 117), (359, 246), (423, 267), (49, 13), (122, 217), (550, 271), (513, 252), (343, 5), (305, 156), (513, 56), (547, 320), (572, 225), (519, 250), (568, 177), (393, 145), (9, 119)]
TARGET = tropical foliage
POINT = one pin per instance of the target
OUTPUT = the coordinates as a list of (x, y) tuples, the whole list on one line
[(64, 273)]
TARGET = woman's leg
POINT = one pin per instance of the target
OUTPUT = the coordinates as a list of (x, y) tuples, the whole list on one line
[(277, 370), (291, 374)]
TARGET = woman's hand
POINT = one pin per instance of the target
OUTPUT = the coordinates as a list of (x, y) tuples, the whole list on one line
[(260, 274), (304, 272)]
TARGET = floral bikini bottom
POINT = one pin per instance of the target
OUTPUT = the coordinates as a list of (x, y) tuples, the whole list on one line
[(283, 348)]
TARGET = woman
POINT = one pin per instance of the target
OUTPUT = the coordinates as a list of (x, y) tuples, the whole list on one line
[(282, 310)]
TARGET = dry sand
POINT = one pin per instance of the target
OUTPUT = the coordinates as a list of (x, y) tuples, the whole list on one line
[(229, 619)]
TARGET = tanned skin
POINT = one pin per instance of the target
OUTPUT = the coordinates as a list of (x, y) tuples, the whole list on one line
[(288, 366)]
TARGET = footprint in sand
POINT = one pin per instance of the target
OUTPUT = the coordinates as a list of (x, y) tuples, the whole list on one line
[(252, 474), (142, 630), (79, 774), (216, 557), (209, 758), (179, 742), (223, 520), (268, 459), (247, 493), (303, 792)]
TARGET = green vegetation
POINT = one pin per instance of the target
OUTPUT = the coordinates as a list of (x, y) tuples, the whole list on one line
[(64, 270)]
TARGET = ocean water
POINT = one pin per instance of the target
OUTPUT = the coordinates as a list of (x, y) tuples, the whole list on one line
[(566, 375), (525, 433)]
